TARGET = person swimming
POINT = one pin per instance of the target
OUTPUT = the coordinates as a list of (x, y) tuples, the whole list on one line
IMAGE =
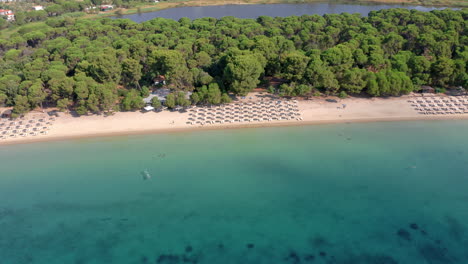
[(146, 175)]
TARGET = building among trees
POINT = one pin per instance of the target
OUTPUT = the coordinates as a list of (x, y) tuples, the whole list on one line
[(161, 79), (106, 8), (10, 16), (161, 94)]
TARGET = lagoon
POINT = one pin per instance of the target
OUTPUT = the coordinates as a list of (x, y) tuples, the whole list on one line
[(273, 10), (342, 193)]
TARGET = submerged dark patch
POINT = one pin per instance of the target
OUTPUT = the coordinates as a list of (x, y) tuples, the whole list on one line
[(168, 259), (455, 228), (6, 212), (293, 257), (368, 259), (188, 249), (309, 257), (404, 234), (379, 259), (189, 259), (435, 254), (319, 241)]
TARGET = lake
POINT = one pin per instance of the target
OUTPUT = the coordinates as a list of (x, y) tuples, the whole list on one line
[(274, 10), (371, 193)]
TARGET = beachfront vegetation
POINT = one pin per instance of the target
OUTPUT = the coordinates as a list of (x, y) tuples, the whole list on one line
[(156, 103), (96, 65)]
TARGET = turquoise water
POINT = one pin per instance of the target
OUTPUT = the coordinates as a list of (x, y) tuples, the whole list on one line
[(380, 193)]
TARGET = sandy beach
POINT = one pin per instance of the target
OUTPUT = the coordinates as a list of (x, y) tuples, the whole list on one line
[(313, 111)]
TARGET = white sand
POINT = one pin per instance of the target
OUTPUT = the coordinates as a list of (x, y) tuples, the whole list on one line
[(313, 111)]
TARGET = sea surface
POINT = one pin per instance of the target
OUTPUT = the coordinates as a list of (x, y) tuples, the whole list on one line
[(273, 10), (376, 193)]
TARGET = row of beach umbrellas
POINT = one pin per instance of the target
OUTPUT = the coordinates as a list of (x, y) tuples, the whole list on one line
[(260, 111), (441, 99), (440, 105), (25, 127)]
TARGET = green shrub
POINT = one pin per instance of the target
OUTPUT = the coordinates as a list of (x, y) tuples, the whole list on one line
[(342, 95), (440, 90)]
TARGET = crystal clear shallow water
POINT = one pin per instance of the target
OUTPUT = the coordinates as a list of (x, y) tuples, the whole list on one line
[(273, 10), (349, 191)]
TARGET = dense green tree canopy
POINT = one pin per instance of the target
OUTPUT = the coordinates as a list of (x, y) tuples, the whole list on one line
[(132, 101), (242, 73), (155, 102), (98, 65)]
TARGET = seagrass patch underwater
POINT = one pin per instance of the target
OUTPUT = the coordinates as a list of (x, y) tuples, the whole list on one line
[(371, 193)]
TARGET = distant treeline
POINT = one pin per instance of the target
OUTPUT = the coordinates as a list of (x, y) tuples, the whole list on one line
[(94, 66)]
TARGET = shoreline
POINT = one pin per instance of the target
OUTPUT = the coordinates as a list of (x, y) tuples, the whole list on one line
[(220, 127), (314, 112)]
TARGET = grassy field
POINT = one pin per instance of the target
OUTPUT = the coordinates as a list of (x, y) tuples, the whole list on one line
[(7, 32)]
